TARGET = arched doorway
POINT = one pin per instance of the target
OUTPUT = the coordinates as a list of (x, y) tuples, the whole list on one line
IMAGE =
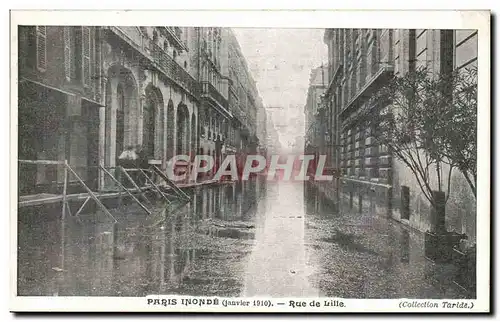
[(170, 130), (229, 202), (152, 129), (182, 129)]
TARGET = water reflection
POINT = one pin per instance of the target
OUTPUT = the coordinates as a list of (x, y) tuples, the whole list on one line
[(135, 257), (231, 239)]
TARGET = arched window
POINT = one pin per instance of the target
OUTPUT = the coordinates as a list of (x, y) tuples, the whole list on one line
[(165, 45)]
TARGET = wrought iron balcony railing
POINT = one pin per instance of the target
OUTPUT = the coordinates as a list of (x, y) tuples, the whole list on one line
[(232, 89), (175, 34), (166, 64), (173, 70), (209, 91)]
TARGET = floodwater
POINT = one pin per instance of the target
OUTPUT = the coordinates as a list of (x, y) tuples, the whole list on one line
[(251, 239)]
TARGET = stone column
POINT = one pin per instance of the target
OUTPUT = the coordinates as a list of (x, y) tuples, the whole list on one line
[(165, 135), (174, 132), (102, 130), (139, 119), (187, 147)]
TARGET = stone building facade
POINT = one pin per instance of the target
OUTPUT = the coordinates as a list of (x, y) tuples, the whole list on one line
[(245, 103), (314, 112), (360, 62), (151, 99), (59, 104), (318, 130)]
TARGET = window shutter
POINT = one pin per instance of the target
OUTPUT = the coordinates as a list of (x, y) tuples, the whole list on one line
[(67, 53), (86, 55), (41, 47)]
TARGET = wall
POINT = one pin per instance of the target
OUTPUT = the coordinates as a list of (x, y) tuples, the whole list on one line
[(55, 80), (382, 192)]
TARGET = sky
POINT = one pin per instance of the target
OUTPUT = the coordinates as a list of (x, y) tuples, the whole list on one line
[(280, 61)]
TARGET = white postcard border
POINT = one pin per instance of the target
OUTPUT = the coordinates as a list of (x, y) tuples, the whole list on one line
[(267, 19)]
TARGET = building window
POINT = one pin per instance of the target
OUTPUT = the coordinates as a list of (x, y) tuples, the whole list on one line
[(165, 46), (86, 40), (41, 47), (175, 54)]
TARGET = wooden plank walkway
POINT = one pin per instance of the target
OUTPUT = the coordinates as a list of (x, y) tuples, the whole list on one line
[(47, 198)]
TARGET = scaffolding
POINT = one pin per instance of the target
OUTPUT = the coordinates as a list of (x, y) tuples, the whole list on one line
[(135, 192)]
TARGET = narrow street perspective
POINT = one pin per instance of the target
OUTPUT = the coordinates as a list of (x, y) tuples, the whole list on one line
[(253, 162)]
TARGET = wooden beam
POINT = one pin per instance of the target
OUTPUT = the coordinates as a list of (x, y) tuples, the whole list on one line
[(134, 184), (156, 187), (81, 208), (65, 187), (92, 195), (171, 183), (46, 162)]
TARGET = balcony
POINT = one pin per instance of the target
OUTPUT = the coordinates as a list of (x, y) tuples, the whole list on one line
[(371, 86), (131, 35), (159, 58), (175, 35), (208, 91), (173, 70), (232, 89)]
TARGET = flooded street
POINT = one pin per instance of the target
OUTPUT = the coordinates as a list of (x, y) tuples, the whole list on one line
[(233, 239)]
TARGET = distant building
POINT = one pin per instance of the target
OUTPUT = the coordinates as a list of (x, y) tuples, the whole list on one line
[(273, 137)]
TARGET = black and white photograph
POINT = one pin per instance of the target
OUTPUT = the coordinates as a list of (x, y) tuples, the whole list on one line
[(224, 167)]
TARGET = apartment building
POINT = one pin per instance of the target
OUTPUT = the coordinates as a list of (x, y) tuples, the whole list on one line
[(361, 61)]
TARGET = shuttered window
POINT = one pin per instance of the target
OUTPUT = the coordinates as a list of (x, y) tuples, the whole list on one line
[(68, 58), (41, 47), (86, 56)]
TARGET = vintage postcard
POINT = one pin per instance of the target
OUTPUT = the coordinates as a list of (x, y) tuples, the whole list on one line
[(250, 161)]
